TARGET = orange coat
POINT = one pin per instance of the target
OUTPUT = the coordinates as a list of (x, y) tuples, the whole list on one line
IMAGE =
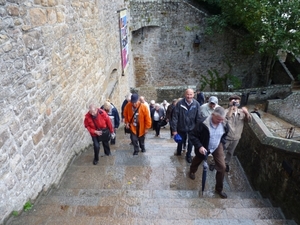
[(144, 118)]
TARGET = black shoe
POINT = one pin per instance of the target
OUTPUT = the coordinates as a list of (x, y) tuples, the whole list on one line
[(143, 150), (95, 162), (135, 153), (177, 154), (130, 143), (227, 168), (221, 194), (192, 176), (211, 167), (188, 159), (108, 154)]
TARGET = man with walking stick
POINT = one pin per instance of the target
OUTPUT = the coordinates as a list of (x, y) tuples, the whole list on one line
[(208, 136)]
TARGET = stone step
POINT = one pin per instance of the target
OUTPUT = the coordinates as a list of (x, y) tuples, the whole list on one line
[(151, 188), (192, 199), (168, 213), (99, 220), (148, 194)]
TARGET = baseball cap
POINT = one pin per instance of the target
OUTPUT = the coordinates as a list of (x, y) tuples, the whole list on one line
[(234, 97), (134, 98), (213, 99)]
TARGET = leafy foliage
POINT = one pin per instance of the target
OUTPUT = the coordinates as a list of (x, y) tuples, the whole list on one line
[(217, 82), (28, 205), (15, 213), (270, 25)]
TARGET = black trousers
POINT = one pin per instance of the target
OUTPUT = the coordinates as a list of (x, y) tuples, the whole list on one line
[(156, 126), (184, 136), (96, 144), (137, 141)]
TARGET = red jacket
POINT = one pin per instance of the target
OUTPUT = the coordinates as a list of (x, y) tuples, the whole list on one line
[(102, 121)]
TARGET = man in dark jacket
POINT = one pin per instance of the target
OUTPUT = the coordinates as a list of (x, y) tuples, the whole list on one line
[(208, 136), (200, 97), (186, 114), (169, 114)]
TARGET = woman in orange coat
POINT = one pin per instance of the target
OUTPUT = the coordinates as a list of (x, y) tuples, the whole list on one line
[(137, 118)]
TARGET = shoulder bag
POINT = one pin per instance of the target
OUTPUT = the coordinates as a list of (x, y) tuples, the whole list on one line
[(127, 130)]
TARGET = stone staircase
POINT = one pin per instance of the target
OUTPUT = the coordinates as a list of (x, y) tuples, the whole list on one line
[(151, 188)]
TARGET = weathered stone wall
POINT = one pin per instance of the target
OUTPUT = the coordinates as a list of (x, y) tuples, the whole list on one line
[(248, 95), (288, 109), (56, 56), (272, 165), (164, 52)]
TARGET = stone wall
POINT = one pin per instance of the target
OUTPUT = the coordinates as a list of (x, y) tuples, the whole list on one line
[(272, 165), (287, 109), (163, 47), (248, 95), (56, 57)]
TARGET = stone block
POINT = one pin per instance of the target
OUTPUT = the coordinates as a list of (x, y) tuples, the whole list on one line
[(37, 137), (12, 10), (38, 17)]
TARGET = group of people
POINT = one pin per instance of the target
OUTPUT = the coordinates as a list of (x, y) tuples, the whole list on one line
[(211, 129), (201, 123)]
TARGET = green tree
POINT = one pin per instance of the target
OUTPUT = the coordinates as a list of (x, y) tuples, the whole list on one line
[(270, 25)]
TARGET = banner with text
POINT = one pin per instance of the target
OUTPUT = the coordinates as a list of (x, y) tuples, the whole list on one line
[(124, 39)]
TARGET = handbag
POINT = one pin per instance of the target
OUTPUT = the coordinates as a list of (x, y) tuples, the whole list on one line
[(105, 136), (163, 122), (128, 130)]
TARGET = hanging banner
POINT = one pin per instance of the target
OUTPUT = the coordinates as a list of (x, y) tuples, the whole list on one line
[(124, 39)]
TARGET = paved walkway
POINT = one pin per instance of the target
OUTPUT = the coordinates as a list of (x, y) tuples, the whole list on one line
[(151, 188)]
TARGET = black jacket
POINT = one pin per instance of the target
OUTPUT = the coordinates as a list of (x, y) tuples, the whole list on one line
[(199, 136), (184, 117)]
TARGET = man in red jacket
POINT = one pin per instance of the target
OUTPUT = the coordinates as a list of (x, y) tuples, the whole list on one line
[(95, 121)]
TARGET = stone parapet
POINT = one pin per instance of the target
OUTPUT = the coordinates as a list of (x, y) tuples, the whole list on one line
[(272, 166)]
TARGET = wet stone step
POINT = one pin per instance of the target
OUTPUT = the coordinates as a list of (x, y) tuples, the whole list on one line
[(150, 202), (178, 213), (152, 188), (87, 220), (149, 194)]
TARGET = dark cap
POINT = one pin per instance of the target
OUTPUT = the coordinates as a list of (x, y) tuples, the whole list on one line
[(234, 97), (134, 98)]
